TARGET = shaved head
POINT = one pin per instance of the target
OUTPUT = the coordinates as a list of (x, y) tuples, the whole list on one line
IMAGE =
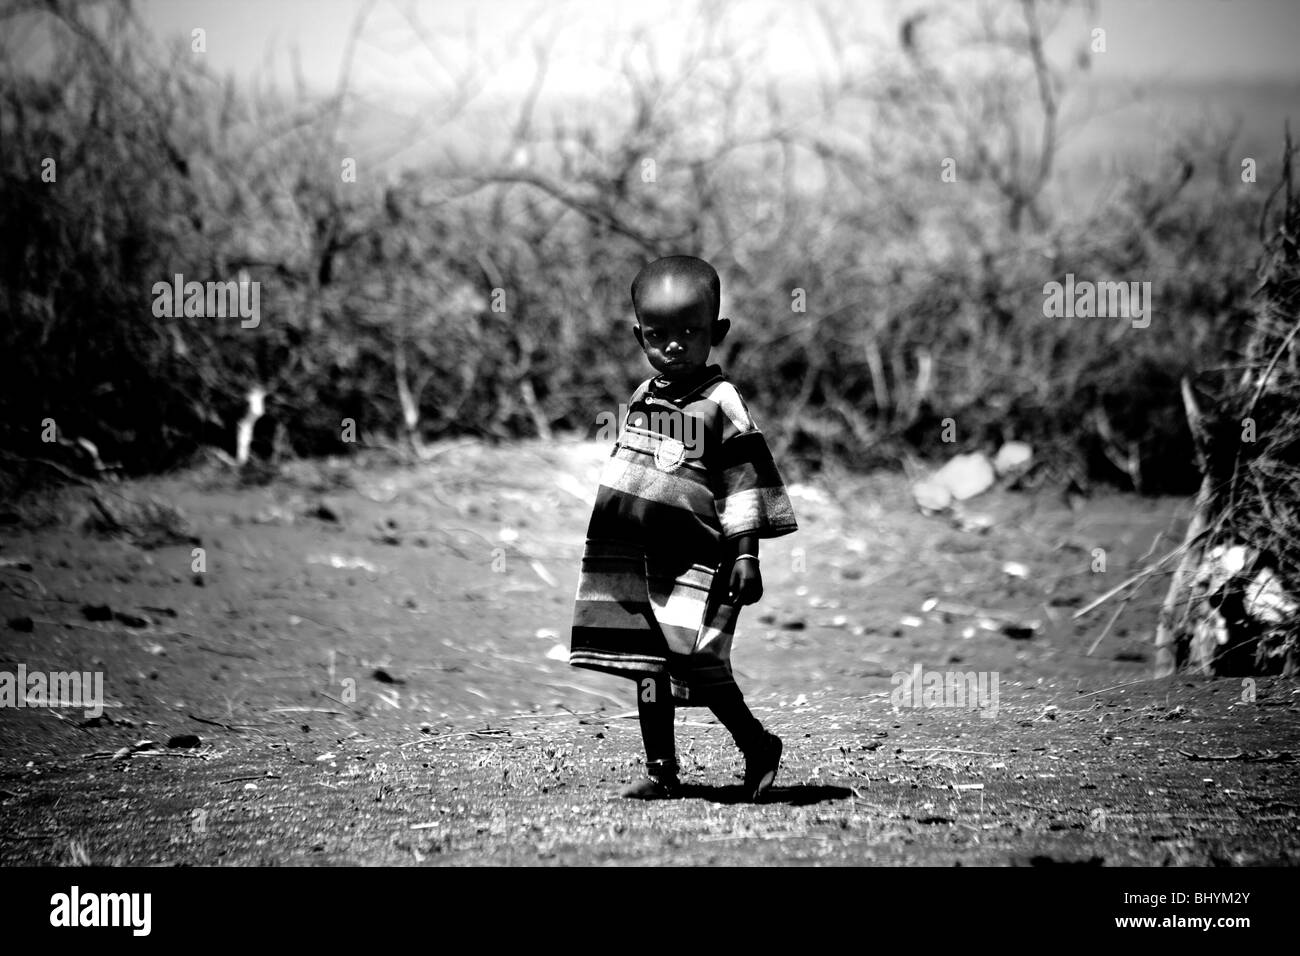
[(676, 281)]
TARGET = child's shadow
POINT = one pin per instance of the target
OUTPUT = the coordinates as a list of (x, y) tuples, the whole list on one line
[(795, 795)]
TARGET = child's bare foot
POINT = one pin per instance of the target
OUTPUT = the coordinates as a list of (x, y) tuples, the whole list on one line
[(761, 765), (660, 783), (653, 788)]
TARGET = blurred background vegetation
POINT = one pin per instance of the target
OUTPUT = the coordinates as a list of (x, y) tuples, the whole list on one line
[(477, 284)]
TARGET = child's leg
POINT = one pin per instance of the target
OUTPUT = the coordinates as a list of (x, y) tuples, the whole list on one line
[(762, 750), (654, 704), (736, 716)]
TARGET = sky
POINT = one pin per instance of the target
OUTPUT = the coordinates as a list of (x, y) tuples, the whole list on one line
[(1179, 40)]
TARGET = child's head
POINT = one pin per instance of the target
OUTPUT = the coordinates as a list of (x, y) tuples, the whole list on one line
[(676, 300)]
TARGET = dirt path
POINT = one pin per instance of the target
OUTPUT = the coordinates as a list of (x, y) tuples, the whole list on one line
[(371, 661)]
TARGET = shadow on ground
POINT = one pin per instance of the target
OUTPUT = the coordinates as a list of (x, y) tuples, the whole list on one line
[(800, 795)]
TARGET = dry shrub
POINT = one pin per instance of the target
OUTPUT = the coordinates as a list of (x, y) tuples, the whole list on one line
[(923, 300), (1234, 606)]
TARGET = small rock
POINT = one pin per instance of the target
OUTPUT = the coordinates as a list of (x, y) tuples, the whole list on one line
[(974, 523), (794, 624), (964, 476), (184, 740), (384, 677), (138, 747), (97, 612), (24, 624), (1020, 632), (323, 512), (931, 496), (1013, 457), (131, 620)]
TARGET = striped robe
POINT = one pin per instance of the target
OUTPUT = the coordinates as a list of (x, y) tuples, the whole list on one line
[(689, 474)]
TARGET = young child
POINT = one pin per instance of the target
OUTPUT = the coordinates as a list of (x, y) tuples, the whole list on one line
[(672, 547)]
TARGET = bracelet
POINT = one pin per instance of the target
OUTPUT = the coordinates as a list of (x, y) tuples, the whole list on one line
[(741, 557)]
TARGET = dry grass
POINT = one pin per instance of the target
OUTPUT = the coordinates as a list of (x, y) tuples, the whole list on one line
[(1250, 452)]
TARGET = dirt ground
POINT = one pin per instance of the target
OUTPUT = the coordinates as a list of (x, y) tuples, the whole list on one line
[(372, 661)]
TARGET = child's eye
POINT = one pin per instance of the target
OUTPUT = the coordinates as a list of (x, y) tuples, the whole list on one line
[(688, 332)]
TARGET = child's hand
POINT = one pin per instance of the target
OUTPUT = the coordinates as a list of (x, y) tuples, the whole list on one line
[(746, 583)]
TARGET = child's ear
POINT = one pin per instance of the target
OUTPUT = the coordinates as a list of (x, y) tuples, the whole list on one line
[(636, 330), (720, 329)]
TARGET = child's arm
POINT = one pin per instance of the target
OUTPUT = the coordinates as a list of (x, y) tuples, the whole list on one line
[(750, 496), (746, 583)]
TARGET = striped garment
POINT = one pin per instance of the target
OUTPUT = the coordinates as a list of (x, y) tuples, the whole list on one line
[(689, 474)]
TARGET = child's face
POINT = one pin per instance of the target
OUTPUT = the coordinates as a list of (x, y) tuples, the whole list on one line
[(676, 329)]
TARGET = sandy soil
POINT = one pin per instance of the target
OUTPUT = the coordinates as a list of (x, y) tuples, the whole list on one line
[(373, 664)]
